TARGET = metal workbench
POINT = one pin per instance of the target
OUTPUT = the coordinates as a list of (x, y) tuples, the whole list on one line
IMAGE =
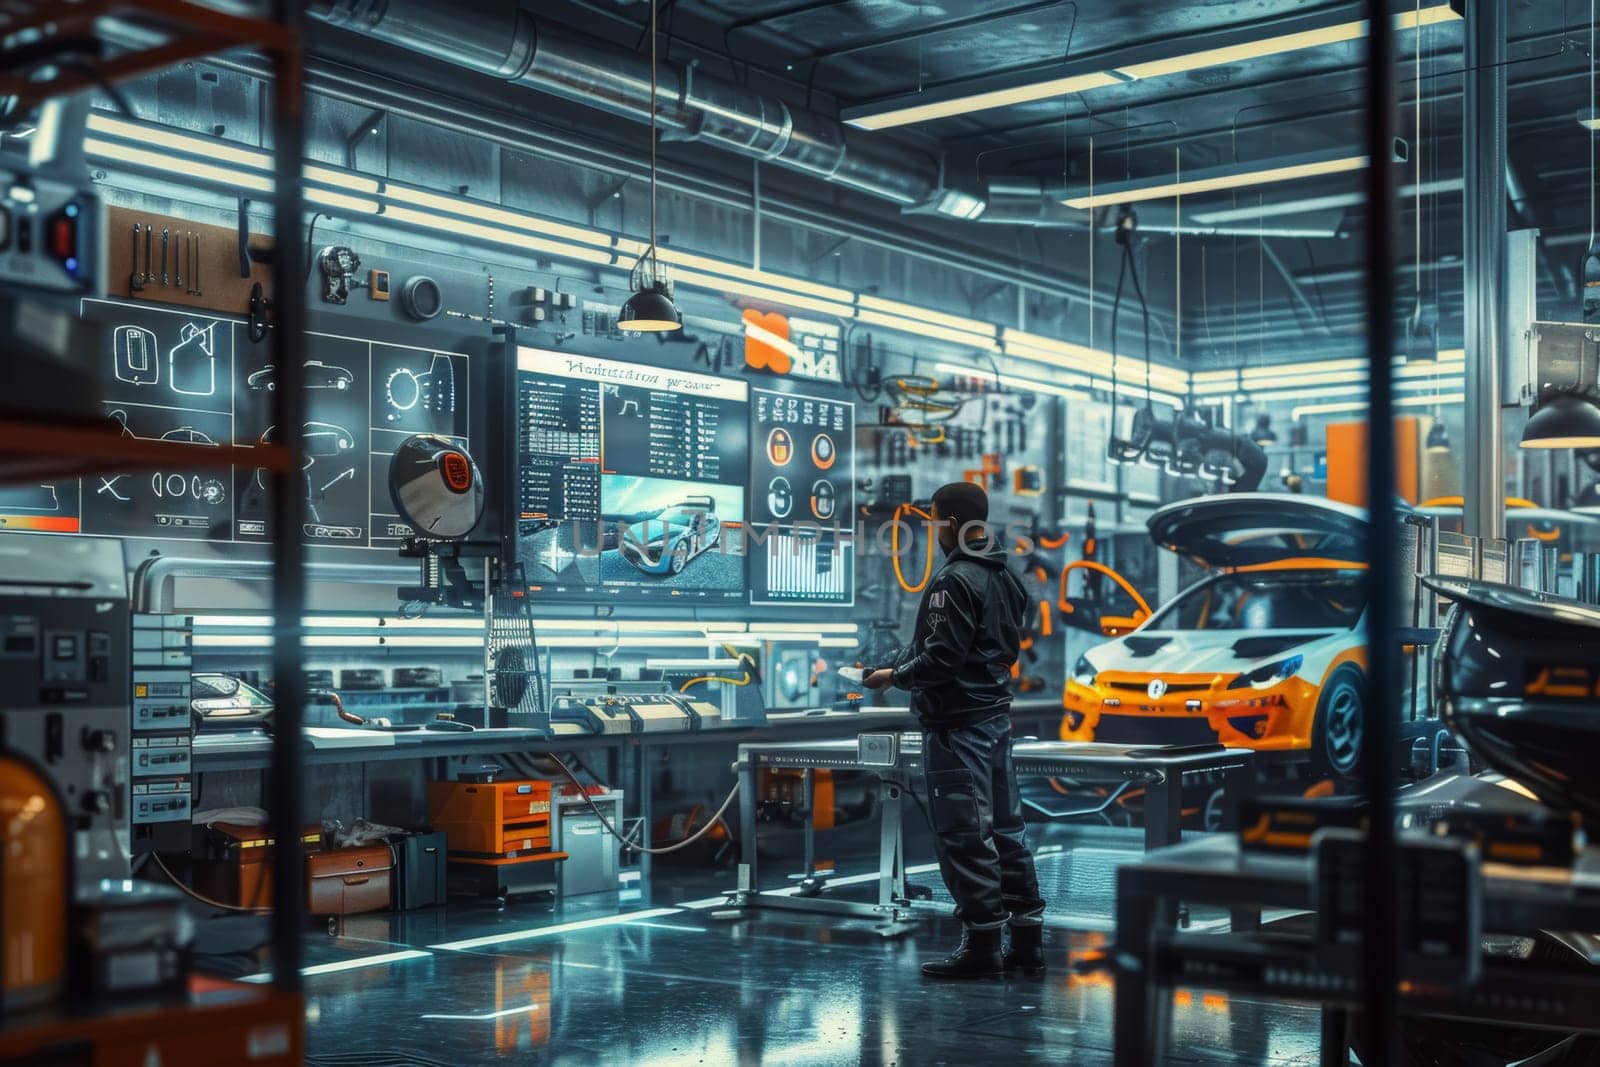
[(1155, 956), (1162, 775)]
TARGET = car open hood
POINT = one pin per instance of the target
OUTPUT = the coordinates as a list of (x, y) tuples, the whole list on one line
[(1200, 651), (1246, 529)]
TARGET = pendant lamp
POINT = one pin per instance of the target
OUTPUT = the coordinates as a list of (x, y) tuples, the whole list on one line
[(650, 309)]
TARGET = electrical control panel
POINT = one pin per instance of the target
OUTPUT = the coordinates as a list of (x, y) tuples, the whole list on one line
[(161, 732), (64, 668)]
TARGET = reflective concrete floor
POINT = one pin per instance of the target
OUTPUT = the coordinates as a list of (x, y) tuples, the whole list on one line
[(655, 977)]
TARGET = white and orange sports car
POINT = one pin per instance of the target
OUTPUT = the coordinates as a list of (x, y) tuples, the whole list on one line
[(1267, 651)]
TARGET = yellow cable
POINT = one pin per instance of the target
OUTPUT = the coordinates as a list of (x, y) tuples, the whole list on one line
[(684, 688)]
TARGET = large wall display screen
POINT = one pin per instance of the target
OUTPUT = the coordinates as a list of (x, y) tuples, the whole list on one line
[(802, 488), (181, 376), (632, 480)]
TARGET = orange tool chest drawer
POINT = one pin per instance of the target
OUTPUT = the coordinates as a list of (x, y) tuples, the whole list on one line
[(491, 818)]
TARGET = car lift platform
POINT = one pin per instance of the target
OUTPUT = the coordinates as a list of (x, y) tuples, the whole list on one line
[(897, 761)]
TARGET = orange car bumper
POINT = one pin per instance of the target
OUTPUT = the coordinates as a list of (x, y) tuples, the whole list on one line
[(1119, 708)]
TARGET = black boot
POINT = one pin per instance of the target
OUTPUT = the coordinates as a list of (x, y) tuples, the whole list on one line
[(1025, 954), (978, 956)]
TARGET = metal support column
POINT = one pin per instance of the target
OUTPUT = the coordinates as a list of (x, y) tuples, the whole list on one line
[(288, 503), (1484, 265), (1380, 738)]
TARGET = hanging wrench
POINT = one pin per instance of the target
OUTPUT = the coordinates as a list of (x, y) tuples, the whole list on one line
[(177, 276), (135, 283), (194, 267), (165, 277), (147, 277)]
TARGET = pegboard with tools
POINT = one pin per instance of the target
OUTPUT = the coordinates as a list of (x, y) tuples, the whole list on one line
[(172, 260), (925, 425)]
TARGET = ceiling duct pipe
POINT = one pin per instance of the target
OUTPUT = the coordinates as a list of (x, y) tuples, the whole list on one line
[(497, 38)]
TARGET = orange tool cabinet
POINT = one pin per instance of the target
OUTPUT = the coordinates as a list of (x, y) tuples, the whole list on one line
[(492, 819)]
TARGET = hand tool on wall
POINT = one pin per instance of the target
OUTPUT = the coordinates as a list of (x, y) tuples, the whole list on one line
[(166, 279), (147, 277), (194, 267), (135, 283), (177, 268)]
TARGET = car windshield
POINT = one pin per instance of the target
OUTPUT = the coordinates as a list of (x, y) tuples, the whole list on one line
[(1267, 601), (682, 516)]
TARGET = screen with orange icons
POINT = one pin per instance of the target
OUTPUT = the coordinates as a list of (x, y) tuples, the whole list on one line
[(802, 499)]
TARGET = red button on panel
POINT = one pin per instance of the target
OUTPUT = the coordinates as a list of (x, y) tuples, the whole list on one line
[(63, 238)]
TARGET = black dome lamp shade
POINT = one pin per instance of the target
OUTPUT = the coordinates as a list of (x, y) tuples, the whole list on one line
[(650, 309), (1438, 437), (1563, 420)]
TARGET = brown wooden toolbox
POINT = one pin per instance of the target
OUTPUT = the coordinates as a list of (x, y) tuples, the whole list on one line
[(347, 881), (233, 863), (492, 818)]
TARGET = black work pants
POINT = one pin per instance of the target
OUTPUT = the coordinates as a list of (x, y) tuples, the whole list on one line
[(977, 824)]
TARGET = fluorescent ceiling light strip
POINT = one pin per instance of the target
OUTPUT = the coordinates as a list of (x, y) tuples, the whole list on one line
[(1279, 370), (1246, 50), (1233, 179), (517, 239), (1316, 203), (341, 201), (515, 220), (985, 341), (1361, 405), (962, 105), (838, 642), (216, 150), (1014, 381), (340, 179), (348, 965), (552, 931), (1077, 357), (939, 318), (906, 110), (761, 292), (1135, 391), (808, 627), (1278, 45), (124, 155), (213, 148), (1443, 382)]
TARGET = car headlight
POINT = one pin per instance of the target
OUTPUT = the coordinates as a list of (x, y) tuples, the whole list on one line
[(1083, 673), (1271, 674)]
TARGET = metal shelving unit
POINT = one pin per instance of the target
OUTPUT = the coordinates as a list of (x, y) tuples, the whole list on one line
[(55, 49)]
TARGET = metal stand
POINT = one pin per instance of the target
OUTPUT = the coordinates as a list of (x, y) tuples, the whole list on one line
[(1163, 778)]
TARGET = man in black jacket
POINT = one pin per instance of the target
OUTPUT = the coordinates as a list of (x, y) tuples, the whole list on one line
[(957, 667)]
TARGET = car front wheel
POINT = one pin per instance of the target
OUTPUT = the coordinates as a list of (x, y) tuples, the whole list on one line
[(680, 557), (1341, 718)]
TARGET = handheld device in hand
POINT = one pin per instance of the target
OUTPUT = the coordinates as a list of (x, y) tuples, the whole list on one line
[(853, 675)]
